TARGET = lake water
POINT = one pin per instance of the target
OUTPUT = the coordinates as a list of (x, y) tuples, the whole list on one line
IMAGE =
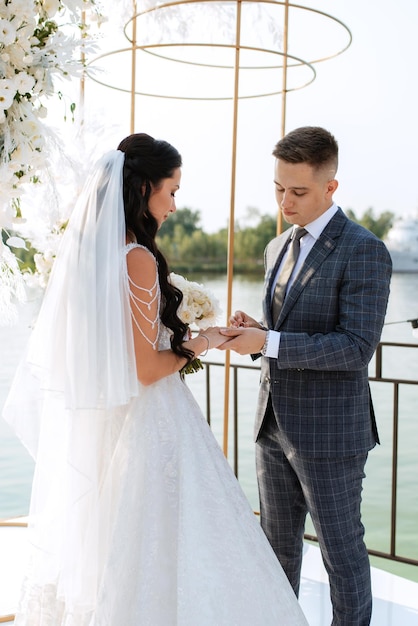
[(16, 467)]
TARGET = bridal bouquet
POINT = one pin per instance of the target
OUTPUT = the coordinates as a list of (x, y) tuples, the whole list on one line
[(199, 307)]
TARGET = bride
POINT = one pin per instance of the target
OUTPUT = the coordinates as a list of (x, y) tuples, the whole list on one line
[(136, 517)]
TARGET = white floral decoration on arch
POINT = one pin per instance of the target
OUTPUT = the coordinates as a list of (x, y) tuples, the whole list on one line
[(40, 40)]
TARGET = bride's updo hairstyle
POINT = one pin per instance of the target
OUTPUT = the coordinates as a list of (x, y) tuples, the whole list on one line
[(148, 162)]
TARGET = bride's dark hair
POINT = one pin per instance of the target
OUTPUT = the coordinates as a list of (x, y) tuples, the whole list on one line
[(147, 162)]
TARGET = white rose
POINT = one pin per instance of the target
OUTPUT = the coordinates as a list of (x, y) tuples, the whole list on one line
[(42, 112), (25, 34), (7, 32), (24, 83), (7, 93), (20, 155), (196, 310), (186, 316), (51, 7), (206, 308), (28, 59), (22, 9), (16, 54), (6, 217), (43, 263)]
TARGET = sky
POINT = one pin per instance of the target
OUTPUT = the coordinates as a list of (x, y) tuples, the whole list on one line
[(367, 97)]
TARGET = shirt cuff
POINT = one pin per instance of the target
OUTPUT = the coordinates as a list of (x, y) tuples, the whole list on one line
[(273, 344)]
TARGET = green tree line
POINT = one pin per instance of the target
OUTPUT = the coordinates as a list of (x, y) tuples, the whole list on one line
[(190, 249)]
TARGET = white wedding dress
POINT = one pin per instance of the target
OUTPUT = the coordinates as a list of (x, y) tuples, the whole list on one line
[(186, 548)]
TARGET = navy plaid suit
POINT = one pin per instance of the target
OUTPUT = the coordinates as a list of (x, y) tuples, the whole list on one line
[(315, 422)]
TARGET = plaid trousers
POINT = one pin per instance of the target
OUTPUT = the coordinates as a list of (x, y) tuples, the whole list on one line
[(290, 486)]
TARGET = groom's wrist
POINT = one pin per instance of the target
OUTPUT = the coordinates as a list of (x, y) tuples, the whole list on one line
[(264, 348), (272, 345)]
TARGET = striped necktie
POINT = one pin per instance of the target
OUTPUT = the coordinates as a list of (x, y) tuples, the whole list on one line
[(286, 272)]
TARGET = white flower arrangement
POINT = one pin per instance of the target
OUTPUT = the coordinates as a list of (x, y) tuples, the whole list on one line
[(199, 307), (47, 246), (35, 48), (12, 286)]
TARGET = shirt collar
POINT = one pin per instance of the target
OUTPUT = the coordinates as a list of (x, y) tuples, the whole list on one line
[(316, 227)]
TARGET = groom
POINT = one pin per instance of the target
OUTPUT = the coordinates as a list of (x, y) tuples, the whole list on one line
[(323, 310)]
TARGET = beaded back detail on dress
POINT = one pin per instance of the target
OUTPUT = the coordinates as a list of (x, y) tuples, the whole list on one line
[(148, 298)]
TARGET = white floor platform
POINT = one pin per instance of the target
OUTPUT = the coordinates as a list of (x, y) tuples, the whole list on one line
[(395, 598)]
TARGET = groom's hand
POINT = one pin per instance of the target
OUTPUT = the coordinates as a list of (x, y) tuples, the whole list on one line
[(243, 340), (241, 320)]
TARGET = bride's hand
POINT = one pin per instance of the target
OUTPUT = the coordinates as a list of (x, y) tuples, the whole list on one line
[(214, 337)]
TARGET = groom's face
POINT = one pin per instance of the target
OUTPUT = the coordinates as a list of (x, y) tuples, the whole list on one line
[(302, 192)]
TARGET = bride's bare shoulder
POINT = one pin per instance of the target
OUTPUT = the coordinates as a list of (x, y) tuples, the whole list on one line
[(142, 266)]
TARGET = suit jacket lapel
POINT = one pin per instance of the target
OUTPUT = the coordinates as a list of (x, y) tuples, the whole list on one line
[(321, 249)]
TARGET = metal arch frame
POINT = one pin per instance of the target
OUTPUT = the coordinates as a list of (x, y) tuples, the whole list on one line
[(149, 49), (145, 48), (282, 3), (235, 98)]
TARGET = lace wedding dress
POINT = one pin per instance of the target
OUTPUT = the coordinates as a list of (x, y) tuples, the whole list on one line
[(186, 548)]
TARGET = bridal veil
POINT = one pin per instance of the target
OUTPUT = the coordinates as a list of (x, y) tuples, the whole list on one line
[(71, 394)]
